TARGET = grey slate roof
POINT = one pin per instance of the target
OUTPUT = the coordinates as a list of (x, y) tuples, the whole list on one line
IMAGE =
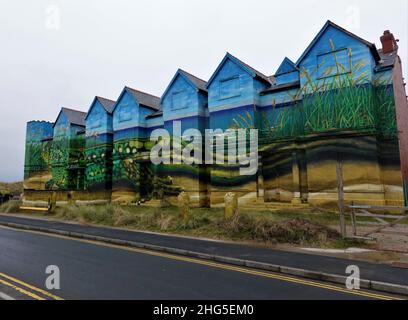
[(199, 83), (74, 116), (282, 87), (258, 74), (156, 114), (145, 99), (107, 104)]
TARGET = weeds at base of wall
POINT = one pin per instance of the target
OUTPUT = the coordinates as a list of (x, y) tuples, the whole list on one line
[(10, 206), (306, 229)]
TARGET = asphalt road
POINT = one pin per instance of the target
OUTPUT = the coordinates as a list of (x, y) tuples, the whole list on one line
[(318, 263), (95, 271)]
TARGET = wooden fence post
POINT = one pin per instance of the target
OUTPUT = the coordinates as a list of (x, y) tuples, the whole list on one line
[(340, 188), (353, 219)]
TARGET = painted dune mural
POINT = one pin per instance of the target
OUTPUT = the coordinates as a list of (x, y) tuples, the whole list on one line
[(338, 103)]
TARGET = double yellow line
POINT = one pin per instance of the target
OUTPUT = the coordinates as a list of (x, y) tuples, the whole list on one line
[(26, 289), (211, 264), (274, 276), (264, 274)]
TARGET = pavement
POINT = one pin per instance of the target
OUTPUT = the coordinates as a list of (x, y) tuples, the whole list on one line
[(305, 261), (91, 271)]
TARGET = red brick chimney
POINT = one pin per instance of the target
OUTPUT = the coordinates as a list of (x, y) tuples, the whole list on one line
[(389, 44)]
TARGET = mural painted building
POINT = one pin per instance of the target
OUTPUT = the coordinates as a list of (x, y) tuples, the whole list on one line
[(341, 101), (132, 170), (99, 146)]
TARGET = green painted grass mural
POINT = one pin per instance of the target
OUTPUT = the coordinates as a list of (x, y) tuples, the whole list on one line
[(37, 157), (349, 99), (67, 164), (99, 167)]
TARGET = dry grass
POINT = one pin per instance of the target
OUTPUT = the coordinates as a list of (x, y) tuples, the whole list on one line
[(265, 227), (14, 187), (12, 206)]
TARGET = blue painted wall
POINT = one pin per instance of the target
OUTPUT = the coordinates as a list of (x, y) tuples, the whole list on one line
[(126, 114), (349, 52), (232, 92), (184, 103), (98, 121), (99, 147)]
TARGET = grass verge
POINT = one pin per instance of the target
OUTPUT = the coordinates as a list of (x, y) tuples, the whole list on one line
[(311, 229), (11, 206)]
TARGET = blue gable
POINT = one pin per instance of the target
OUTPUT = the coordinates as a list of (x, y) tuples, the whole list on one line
[(98, 121), (125, 112), (286, 66), (249, 70), (337, 52), (233, 93), (180, 99), (62, 126), (331, 25), (178, 74), (184, 102)]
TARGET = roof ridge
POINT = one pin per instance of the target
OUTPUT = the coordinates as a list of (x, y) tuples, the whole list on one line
[(190, 74), (252, 68), (75, 110), (74, 116), (351, 33), (99, 97), (286, 60), (107, 104), (142, 92), (328, 23)]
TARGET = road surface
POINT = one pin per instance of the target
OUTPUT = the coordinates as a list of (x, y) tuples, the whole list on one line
[(91, 270)]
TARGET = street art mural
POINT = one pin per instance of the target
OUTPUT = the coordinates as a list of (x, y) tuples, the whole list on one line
[(37, 168), (184, 105), (337, 103), (99, 145), (132, 172), (67, 151)]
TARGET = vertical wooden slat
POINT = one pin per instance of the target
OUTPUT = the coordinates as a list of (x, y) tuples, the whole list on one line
[(353, 220)]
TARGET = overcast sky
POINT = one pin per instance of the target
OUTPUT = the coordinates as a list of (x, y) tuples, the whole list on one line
[(62, 53)]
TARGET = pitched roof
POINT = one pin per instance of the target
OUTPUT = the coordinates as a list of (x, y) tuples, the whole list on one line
[(199, 83), (107, 104), (329, 23), (286, 66), (156, 114), (255, 73), (195, 82), (74, 116), (145, 99), (282, 87)]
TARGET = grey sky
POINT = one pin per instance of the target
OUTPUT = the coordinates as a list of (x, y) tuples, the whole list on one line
[(62, 53)]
